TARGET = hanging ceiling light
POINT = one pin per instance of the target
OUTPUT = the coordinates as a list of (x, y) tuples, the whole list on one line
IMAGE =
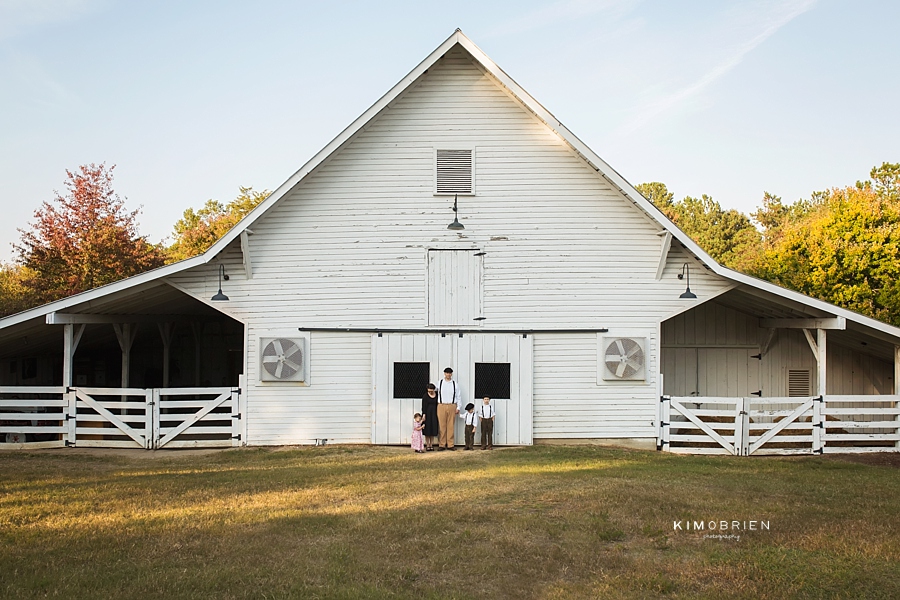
[(455, 225), (686, 270), (220, 297)]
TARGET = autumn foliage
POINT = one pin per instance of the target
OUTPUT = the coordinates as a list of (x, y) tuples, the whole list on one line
[(83, 239), (197, 230), (842, 245)]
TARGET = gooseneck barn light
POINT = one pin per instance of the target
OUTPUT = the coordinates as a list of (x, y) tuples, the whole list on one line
[(220, 297), (686, 270), (455, 225)]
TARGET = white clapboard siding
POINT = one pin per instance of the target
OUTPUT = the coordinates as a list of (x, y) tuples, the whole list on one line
[(568, 402), (348, 247), (336, 405)]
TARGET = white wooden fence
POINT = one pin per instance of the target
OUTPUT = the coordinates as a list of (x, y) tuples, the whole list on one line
[(46, 417), (811, 425)]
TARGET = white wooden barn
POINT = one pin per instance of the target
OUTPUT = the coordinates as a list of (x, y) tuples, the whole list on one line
[(555, 288)]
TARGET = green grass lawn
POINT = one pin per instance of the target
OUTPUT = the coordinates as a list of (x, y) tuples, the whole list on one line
[(371, 522)]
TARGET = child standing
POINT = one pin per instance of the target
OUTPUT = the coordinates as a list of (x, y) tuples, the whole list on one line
[(487, 415), (417, 440), (471, 421)]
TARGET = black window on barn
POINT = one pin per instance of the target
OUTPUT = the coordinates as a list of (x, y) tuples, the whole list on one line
[(411, 379), (492, 380)]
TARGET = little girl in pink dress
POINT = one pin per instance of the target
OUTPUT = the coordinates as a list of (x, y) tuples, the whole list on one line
[(418, 442)]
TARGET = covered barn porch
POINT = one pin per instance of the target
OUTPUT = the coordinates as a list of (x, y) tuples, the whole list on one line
[(145, 367), (752, 372)]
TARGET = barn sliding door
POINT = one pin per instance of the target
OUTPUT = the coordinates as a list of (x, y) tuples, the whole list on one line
[(454, 287), (497, 365)]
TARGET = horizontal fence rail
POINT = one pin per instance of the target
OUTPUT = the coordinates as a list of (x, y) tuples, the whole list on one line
[(33, 417), (47, 417), (808, 425)]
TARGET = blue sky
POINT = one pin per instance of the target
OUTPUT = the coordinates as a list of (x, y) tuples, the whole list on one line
[(193, 99)]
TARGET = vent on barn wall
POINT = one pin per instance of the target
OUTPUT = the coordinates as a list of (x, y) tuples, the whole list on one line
[(798, 383), (624, 359), (454, 172), (282, 359)]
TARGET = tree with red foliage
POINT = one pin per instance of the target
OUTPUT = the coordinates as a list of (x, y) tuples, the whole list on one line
[(83, 239)]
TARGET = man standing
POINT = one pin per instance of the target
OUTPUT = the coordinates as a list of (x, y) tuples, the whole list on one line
[(449, 404)]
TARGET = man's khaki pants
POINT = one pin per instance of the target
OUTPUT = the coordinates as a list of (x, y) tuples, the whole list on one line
[(447, 424)]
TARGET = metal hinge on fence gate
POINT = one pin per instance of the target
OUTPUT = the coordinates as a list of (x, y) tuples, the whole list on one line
[(237, 416), (818, 399), (236, 437), (69, 444), (819, 425)]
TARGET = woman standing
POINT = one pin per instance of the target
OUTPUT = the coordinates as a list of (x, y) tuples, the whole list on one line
[(429, 411)]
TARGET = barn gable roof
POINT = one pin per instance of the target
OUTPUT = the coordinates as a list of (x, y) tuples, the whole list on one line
[(602, 168)]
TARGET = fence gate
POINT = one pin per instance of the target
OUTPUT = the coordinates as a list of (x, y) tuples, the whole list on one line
[(741, 426), (196, 418), (45, 417), (112, 417), (694, 425)]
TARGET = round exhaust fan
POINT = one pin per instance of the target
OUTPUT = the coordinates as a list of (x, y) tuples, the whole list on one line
[(282, 360), (624, 358)]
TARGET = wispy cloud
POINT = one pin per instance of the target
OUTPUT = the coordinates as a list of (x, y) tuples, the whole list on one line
[(20, 16), (558, 12), (772, 18)]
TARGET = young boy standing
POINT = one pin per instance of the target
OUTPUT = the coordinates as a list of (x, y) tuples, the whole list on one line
[(486, 413), (471, 422)]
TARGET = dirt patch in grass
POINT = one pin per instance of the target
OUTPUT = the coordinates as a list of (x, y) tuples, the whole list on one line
[(878, 459)]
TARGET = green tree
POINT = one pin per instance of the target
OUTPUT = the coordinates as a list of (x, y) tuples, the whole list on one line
[(842, 245), (727, 235), (83, 239), (197, 230), (14, 296)]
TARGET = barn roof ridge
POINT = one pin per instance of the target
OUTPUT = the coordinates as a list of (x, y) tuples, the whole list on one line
[(457, 38)]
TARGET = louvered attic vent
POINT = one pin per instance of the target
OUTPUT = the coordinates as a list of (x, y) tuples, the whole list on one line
[(798, 383), (454, 172)]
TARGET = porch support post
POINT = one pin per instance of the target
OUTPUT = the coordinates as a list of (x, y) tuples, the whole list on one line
[(165, 332), (896, 388), (820, 345), (819, 407), (71, 337), (125, 333), (897, 370)]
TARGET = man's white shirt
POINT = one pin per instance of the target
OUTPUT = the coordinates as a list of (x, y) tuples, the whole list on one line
[(449, 393)]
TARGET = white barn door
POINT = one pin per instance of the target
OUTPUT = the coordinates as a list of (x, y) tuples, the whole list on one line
[(454, 287), (491, 356), (394, 405), (491, 359)]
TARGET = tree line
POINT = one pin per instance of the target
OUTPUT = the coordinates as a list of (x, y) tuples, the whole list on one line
[(840, 245), (85, 238)]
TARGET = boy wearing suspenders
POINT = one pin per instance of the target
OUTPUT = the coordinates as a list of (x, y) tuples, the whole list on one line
[(487, 413)]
